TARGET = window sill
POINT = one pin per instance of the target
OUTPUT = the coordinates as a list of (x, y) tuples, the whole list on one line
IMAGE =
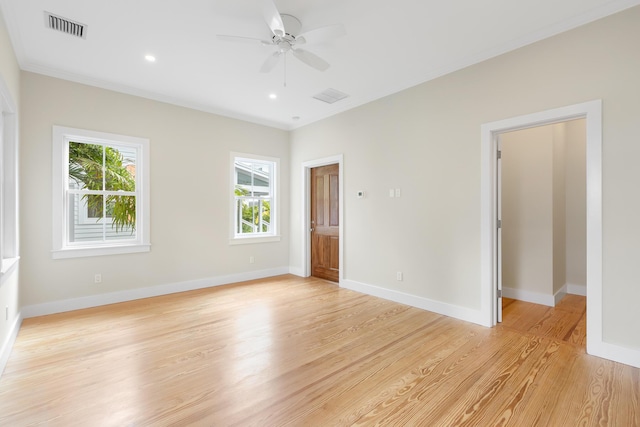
[(87, 251), (8, 264), (251, 240)]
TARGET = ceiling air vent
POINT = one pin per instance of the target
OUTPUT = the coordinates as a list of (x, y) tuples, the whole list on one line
[(65, 25), (330, 96)]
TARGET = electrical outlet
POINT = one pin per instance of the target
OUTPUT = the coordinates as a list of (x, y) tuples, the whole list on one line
[(97, 278), (251, 260), (399, 275)]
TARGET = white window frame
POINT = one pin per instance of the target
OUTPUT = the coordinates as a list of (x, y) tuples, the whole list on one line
[(9, 218), (273, 235), (62, 248)]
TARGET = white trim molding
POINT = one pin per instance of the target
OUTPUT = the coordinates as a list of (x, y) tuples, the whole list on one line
[(592, 112), (539, 298), (529, 296), (297, 271), (455, 311), (7, 345), (148, 292), (9, 181), (574, 289)]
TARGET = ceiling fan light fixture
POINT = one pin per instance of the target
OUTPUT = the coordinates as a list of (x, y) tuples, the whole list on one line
[(285, 35)]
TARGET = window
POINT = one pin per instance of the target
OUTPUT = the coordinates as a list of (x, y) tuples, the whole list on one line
[(8, 182), (254, 192), (100, 194)]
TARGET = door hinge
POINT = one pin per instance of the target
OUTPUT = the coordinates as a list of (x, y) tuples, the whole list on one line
[(499, 223), (499, 154), (499, 293)]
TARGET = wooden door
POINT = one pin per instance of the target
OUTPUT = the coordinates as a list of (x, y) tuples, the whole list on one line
[(325, 236)]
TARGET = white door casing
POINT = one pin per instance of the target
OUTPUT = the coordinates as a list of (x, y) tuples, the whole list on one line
[(592, 112)]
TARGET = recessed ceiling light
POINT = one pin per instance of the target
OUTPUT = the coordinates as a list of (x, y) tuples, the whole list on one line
[(273, 96), (295, 118), (150, 58)]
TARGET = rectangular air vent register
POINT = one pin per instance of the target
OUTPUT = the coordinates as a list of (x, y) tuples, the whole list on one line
[(65, 25)]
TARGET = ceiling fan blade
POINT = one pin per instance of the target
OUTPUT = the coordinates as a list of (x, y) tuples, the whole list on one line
[(311, 59), (272, 17), (271, 62), (321, 34), (240, 39)]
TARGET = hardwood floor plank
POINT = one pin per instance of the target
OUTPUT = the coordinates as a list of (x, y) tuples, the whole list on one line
[(288, 351), (566, 321)]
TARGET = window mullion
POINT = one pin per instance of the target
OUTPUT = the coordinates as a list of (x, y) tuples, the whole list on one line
[(239, 215), (104, 198), (98, 192)]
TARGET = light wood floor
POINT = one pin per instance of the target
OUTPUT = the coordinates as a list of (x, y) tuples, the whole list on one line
[(303, 352), (567, 321)]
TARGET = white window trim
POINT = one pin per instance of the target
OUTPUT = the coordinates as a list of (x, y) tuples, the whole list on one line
[(275, 210), (9, 205), (61, 249)]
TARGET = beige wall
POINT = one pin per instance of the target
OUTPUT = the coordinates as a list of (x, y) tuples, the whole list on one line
[(576, 198), (559, 208), (528, 217), (426, 140), (189, 191), (9, 283), (543, 205)]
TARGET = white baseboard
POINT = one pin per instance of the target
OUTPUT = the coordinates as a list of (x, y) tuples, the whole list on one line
[(544, 299), (576, 289), (601, 349), (614, 352), (153, 291), (455, 311), (557, 297), (296, 271), (528, 296), (7, 346)]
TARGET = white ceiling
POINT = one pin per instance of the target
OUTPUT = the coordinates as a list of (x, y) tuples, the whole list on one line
[(390, 45)]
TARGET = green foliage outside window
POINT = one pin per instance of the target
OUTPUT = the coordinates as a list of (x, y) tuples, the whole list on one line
[(251, 212), (97, 167)]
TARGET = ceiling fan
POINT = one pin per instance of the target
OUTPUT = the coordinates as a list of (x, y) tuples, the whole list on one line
[(286, 38)]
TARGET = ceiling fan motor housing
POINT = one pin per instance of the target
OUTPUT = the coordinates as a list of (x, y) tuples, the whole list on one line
[(292, 26)]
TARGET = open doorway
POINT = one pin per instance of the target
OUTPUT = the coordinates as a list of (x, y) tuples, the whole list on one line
[(490, 295), (541, 192)]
